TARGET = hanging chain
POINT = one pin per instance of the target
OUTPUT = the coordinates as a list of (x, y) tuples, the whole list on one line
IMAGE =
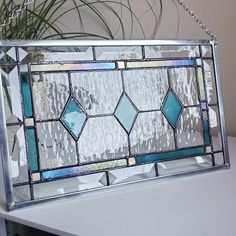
[(15, 13), (196, 19), (22, 7)]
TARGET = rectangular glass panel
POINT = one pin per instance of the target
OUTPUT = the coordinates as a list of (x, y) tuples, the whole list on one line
[(118, 53), (184, 165), (48, 54), (71, 185), (171, 51), (132, 174), (86, 117)]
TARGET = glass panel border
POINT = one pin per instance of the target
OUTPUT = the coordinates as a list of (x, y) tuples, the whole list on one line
[(128, 161)]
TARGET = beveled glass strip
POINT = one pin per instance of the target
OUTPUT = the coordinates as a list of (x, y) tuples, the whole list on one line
[(171, 51), (149, 64), (32, 149), (191, 152), (78, 170), (68, 67), (184, 165), (26, 94), (69, 185), (118, 53)]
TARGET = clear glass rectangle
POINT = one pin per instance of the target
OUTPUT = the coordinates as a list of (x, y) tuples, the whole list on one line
[(165, 51), (52, 54)]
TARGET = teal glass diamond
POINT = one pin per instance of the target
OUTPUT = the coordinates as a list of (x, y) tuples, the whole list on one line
[(172, 108), (125, 112), (73, 117)]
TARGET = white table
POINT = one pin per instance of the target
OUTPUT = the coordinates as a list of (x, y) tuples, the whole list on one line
[(200, 205)]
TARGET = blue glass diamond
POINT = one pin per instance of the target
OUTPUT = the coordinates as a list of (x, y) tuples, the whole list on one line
[(172, 108), (125, 112), (73, 117)]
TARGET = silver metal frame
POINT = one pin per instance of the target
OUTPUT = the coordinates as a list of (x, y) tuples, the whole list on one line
[(3, 231), (25, 43)]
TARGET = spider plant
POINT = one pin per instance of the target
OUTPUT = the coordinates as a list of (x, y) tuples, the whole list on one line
[(44, 19)]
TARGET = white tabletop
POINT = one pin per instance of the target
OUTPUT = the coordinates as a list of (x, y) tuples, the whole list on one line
[(200, 205)]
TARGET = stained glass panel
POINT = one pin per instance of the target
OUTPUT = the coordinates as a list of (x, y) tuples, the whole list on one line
[(81, 117)]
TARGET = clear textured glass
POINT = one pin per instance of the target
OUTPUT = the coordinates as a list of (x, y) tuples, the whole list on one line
[(151, 133), (103, 138), (50, 94), (146, 88), (184, 84), (97, 92), (56, 146), (189, 129)]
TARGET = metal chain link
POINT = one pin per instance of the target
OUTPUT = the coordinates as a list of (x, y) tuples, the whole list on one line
[(22, 7), (196, 19), (15, 13)]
